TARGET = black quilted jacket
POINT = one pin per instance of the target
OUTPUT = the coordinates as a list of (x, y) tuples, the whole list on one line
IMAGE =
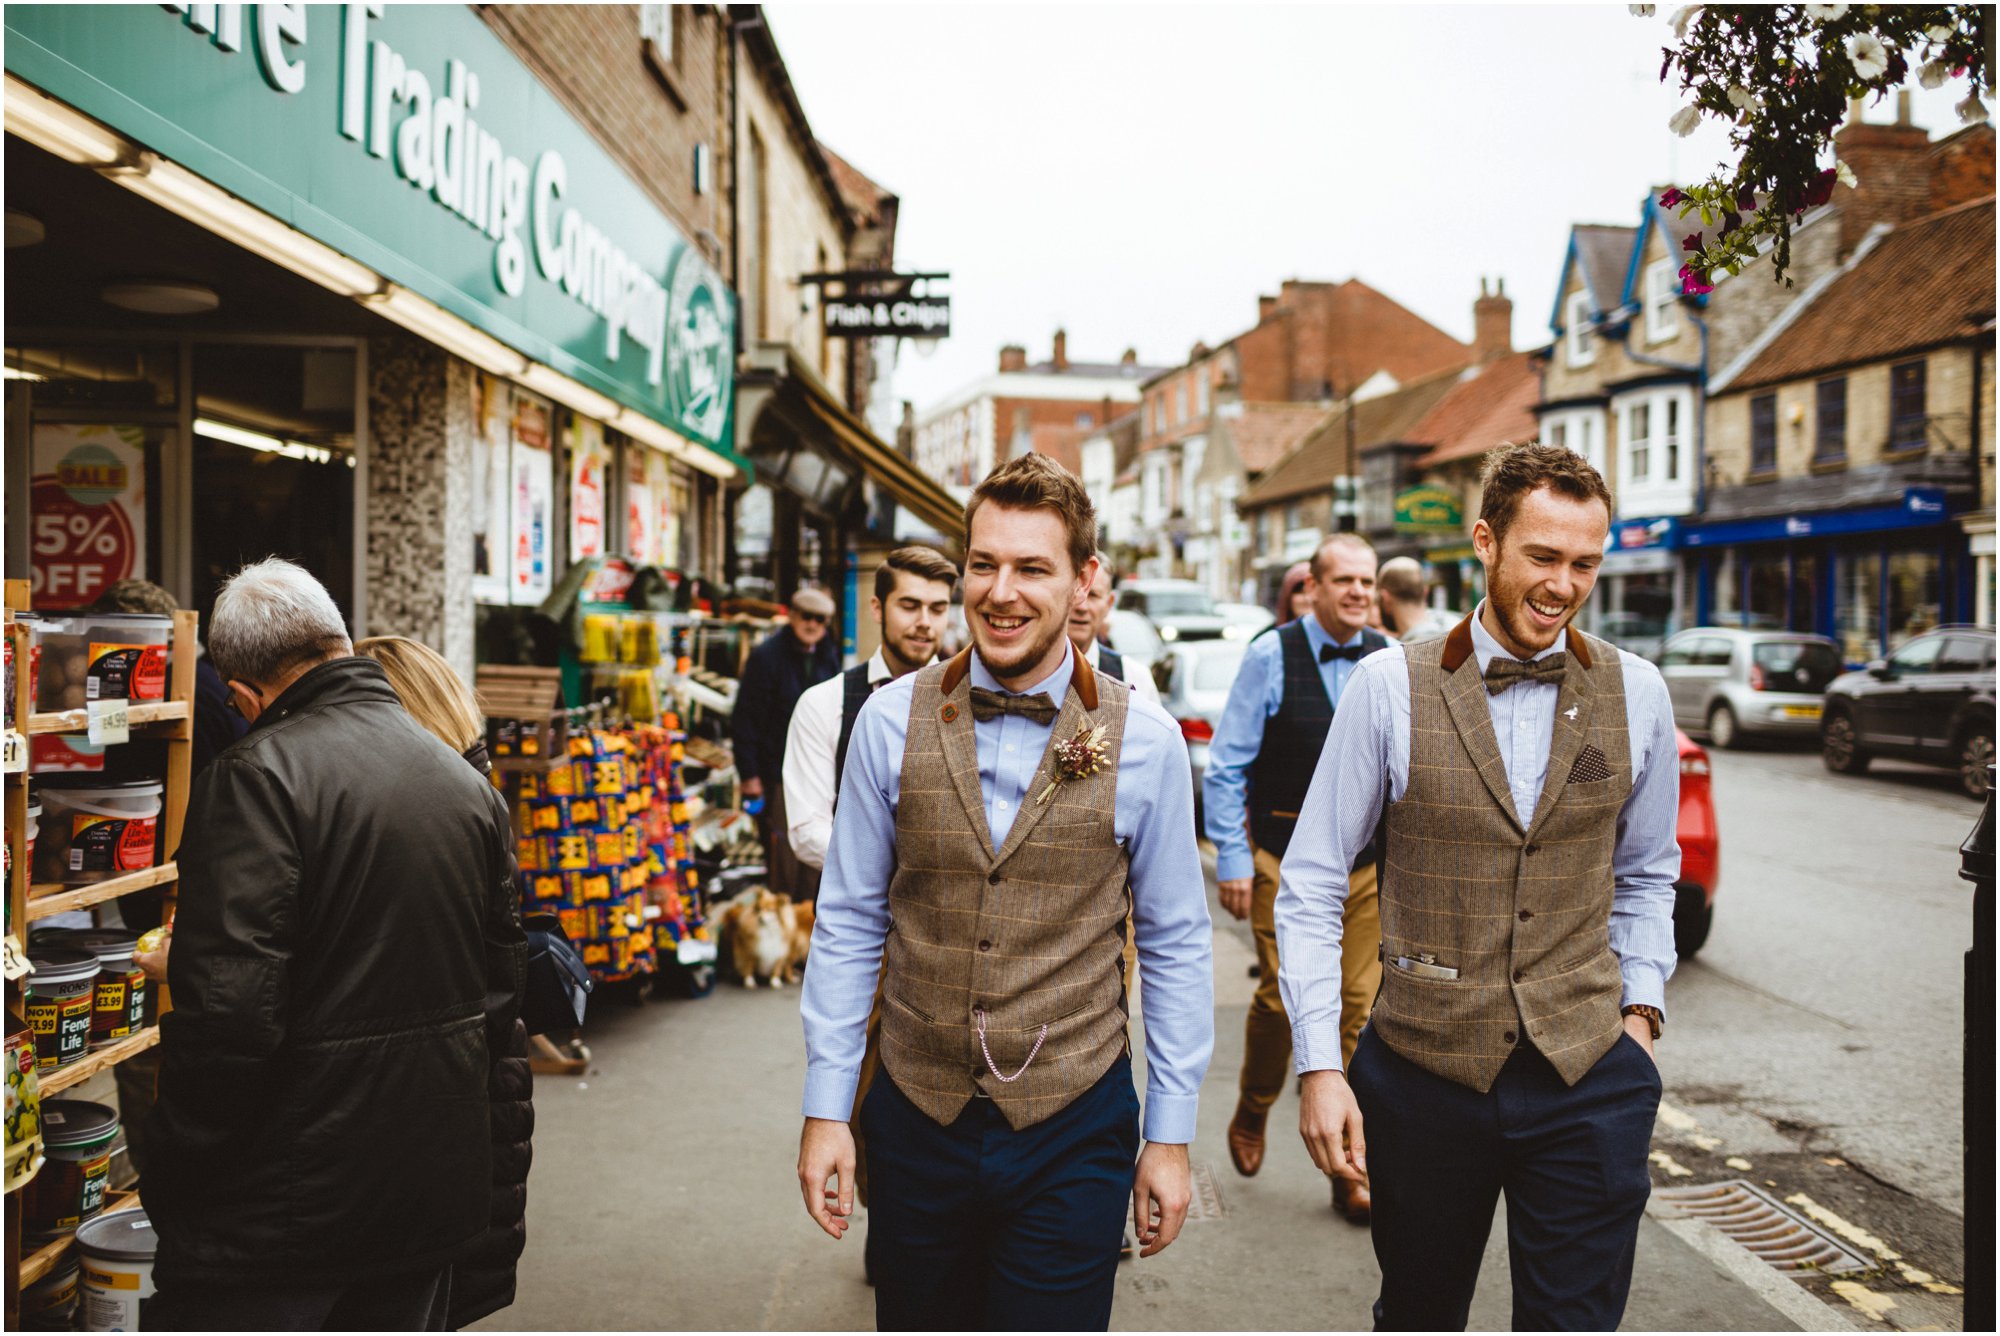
[(347, 940)]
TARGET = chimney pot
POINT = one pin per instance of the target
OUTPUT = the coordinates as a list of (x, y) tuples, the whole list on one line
[(1266, 308), (1492, 323), (1131, 357), (1013, 357), (1061, 359), (1902, 106)]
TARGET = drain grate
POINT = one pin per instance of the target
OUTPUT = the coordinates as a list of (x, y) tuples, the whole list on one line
[(1772, 1232), (1206, 1201)]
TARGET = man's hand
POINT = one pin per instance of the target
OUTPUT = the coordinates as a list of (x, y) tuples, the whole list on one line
[(1235, 895), (826, 1151), (154, 963), (1641, 1031), (1330, 1122), (1160, 1195), (753, 788)]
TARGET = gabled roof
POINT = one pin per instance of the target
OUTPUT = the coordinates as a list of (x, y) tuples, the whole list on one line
[(1382, 421), (1493, 406), (1924, 284), (1266, 433), (864, 198), (1605, 252), (1669, 221)]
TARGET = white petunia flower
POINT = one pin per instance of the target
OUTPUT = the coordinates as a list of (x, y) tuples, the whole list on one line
[(1744, 100), (1971, 111), (1845, 175), (1933, 74), (1825, 13), (1682, 19), (1870, 57), (1937, 32), (1643, 11), (1685, 120)]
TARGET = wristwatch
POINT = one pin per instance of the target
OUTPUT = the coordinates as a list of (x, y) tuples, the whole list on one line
[(1653, 1015)]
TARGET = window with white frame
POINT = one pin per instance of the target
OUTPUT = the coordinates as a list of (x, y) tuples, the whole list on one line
[(1180, 402), (1663, 312), (1201, 394), (1670, 441), (1558, 434), (1638, 445), (1578, 341)]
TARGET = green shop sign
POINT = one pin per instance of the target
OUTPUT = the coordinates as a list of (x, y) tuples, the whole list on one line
[(1428, 510), (410, 138)]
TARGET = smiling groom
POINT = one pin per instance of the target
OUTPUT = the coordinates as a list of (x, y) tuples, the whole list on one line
[(993, 813)]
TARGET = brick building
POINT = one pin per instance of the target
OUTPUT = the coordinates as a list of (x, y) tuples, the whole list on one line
[(1049, 407)]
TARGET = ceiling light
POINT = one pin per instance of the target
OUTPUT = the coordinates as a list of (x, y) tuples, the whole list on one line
[(161, 296), (16, 373), (257, 440), (569, 393), (176, 188), (49, 125), (23, 229), (458, 337)]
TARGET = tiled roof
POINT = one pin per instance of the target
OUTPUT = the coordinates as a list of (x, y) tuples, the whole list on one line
[(864, 198), (1497, 405), (1266, 433), (1379, 421), (1926, 283), (1119, 370), (1605, 253)]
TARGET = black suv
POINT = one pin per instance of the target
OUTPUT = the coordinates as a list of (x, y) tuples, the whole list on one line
[(1930, 701)]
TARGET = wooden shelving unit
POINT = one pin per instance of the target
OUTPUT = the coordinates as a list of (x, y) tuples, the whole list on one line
[(172, 722)]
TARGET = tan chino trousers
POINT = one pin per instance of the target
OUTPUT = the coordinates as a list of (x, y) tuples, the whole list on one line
[(1267, 1030)]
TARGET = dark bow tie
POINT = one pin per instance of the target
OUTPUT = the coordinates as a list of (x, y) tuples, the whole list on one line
[(1351, 653), (992, 704), (1502, 672)]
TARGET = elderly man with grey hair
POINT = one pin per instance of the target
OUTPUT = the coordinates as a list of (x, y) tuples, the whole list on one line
[(347, 941)]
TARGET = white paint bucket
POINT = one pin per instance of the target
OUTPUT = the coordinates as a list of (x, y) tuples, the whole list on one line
[(115, 1252)]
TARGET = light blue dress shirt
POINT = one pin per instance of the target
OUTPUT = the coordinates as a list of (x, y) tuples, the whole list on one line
[(1153, 818), (1368, 751), (1256, 695)]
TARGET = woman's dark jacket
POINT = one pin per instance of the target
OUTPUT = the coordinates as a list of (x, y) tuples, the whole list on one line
[(347, 939), (482, 1283)]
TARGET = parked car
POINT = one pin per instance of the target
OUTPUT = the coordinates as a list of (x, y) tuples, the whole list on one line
[(1178, 609), (1134, 637), (1701, 851), (1734, 684), (1245, 619), (1194, 680), (1640, 633), (1930, 701)]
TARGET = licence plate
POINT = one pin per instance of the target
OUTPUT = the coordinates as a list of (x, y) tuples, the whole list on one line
[(1802, 711)]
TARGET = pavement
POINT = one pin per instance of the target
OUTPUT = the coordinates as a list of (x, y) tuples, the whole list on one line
[(664, 1195)]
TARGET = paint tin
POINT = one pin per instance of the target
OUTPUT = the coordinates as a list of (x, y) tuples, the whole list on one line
[(116, 1252)]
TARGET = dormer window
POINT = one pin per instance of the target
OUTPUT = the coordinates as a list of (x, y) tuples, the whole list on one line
[(1663, 315), (1579, 340)]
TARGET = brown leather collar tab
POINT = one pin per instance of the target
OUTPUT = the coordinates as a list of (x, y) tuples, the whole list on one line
[(1578, 649), (955, 670), (1457, 645), (1085, 682)]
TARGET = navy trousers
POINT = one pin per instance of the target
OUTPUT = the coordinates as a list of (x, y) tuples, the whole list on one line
[(978, 1227), (1571, 1161)]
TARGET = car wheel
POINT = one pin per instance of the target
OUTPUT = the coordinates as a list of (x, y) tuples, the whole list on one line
[(1975, 756), (1840, 746), (1722, 729), (1693, 916)]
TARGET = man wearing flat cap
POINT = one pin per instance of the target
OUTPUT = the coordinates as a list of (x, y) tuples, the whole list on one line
[(796, 656)]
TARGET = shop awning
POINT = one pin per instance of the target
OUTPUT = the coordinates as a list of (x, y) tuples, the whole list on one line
[(780, 402)]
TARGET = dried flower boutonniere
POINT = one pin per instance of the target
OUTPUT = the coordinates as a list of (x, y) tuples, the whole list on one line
[(1082, 755)]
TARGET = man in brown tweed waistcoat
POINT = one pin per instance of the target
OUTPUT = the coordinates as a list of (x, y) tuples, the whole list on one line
[(1525, 779), (1001, 817)]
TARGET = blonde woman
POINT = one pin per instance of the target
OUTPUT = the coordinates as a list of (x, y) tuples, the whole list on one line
[(482, 1282)]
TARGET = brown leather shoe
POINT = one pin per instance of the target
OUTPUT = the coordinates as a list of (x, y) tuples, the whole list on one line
[(1352, 1200), (1246, 1141)]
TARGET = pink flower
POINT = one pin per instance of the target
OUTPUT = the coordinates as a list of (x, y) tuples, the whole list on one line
[(1671, 197), (1693, 282), (1820, 191), (1691, 242)]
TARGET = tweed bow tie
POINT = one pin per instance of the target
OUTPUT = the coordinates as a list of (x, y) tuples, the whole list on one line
[(992, 704), (1502, 672), (1351, 653)]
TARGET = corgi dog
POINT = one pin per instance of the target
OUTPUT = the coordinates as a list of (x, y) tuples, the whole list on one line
[(760, 925)]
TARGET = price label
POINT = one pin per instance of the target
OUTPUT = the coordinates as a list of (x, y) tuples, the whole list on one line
[(17, 959), (110, 722), (17, 753)]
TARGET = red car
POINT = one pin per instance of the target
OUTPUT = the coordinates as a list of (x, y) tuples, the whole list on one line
[(1701, 851)]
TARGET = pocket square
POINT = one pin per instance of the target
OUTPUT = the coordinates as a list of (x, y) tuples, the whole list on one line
[(1590, 767)]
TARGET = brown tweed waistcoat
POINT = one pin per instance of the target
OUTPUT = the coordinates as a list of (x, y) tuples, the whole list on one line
[(1523, 913), (1031, 934)]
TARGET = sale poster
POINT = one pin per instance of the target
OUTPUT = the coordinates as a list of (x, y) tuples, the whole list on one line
[(641, 535), (588, 486), (533, 490), (88, 500), (670, 495), (492, 509)]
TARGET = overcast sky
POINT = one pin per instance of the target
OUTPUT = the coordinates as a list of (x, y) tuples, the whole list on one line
[(1138, 174)]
